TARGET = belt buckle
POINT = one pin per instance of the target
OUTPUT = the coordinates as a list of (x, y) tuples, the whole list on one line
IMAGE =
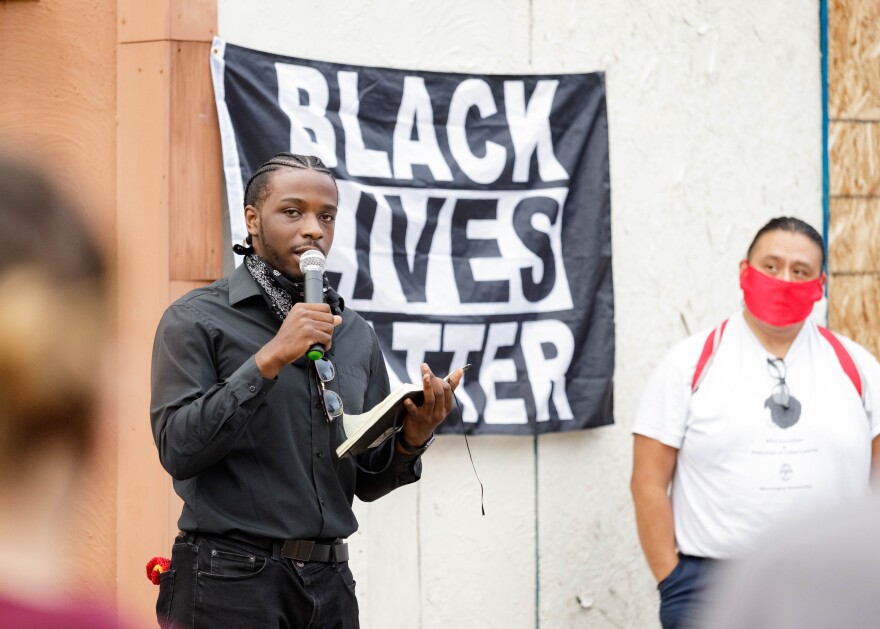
[(301, 549)]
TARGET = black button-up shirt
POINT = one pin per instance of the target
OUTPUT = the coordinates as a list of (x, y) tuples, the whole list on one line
[(257, 456)]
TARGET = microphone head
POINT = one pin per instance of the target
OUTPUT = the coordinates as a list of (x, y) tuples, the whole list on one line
[(312, 260)]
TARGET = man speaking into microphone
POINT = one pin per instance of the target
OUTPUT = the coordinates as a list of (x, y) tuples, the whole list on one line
[(250, 377)]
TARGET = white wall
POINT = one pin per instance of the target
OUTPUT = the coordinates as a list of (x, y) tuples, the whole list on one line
[(715, 126)]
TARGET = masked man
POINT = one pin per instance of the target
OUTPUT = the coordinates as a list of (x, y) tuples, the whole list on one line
[(766, 415)]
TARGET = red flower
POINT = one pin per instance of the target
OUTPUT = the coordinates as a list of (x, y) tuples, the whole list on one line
[(155, 567)]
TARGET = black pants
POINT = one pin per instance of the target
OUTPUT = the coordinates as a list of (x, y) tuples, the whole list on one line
[(218, 582)]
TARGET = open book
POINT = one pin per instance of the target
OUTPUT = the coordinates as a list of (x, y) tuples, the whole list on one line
[(370, 429)]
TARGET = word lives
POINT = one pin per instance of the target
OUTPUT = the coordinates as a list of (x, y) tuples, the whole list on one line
[(474, 274)]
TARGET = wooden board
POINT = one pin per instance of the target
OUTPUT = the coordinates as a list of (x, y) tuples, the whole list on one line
[(142, 228), (854, 235), (853, 308), (195, 197), (854, 59), (183, 20), (854, 155)]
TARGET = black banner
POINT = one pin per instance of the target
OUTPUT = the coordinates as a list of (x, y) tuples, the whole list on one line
[(474, 223)]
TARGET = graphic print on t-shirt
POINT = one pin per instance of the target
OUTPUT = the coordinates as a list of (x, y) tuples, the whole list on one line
[(785, 472), (781, 447), (782, 416), (783, 463)]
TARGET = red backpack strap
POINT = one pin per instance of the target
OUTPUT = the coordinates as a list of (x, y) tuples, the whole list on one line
[(846, 361), (708, 353)]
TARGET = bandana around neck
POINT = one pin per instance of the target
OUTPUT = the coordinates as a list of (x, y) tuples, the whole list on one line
[(282, 293)]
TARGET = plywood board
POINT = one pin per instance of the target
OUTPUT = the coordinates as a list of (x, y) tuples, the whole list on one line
[(853, 310), (854, 59), (854, 235), (854, 154)]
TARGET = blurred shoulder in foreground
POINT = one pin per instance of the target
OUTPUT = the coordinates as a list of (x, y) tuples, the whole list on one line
[(815, 573)]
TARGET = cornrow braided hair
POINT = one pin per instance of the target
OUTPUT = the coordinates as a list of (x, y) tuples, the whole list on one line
[(257, 188)]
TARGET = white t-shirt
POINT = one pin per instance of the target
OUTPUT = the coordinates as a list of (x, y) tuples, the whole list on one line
[(737, 471)]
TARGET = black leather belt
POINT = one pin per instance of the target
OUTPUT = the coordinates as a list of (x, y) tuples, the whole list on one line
[(307, 550), (296, 549)]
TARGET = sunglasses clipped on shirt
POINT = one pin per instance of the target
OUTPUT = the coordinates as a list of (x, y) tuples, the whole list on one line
[(780, 393), (330, 400)]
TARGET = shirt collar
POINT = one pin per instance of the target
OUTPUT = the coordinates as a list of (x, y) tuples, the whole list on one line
[(242, 285)]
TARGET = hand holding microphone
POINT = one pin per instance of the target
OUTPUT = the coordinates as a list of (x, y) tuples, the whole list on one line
[(308, 328), (312, 264)]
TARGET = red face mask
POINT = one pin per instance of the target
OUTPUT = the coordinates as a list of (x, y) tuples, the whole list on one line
[(777, 302)]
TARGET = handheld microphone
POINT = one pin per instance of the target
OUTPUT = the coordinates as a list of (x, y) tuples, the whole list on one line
[(312, 264)]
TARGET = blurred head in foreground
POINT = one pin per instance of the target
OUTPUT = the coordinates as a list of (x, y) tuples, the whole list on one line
[(52, 320)]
